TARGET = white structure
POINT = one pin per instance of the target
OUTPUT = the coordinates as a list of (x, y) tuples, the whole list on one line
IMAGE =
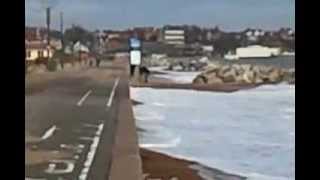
[(158, 56), (207, 48), (35, 51), (174, 36), (286, 53), (77, 47), (255, 51)]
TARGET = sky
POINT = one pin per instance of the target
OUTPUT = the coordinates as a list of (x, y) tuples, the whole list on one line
[(229, 15)]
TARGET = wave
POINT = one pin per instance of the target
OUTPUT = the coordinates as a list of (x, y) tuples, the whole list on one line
[(174, 143), (258, 176)]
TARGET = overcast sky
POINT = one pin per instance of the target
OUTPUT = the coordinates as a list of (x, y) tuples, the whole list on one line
[(119, 14)]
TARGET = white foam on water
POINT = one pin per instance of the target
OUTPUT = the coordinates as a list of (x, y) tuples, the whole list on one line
[(250, 133), (173, 143)]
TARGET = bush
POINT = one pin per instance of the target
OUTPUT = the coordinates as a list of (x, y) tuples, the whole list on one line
[(52, 65)]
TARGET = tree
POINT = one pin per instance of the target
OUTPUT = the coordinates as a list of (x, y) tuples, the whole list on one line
[(77, 33)]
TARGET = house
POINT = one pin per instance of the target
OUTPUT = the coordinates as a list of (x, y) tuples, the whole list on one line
[(174, 35), (286, 34), (40, 34), (81, 50), (36, 51), (254, 34)]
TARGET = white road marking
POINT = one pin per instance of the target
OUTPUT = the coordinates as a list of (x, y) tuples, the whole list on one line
[(90, 125), (35, 179), (112, 92), (90, 156), (49, 133), (84, 98), (52, 167)]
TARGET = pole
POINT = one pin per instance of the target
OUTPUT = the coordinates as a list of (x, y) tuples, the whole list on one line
[(61, 28), (48, 30)]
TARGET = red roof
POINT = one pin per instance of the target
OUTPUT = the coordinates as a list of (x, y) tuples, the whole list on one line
[(35, 46)]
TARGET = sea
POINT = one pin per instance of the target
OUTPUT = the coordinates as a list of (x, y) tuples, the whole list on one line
[(249, 133)]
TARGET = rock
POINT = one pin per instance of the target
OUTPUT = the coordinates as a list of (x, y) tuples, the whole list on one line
[(289, 76), (248, 76), (256, 69), (214, 79), (258, 80), (246, 67), (223, 70), (229, 76), (275, 76), (236, 67), (240, 80), (200, 79)]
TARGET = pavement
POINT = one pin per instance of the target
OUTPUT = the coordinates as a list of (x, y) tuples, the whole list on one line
[(73, 124)]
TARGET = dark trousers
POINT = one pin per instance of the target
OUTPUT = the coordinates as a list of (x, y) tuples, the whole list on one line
[(132, 68)]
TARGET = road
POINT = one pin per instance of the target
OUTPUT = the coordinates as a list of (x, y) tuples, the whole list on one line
[(71, 119)]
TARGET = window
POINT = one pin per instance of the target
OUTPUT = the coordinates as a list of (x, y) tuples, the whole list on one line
[(40, 53), (28, 54)]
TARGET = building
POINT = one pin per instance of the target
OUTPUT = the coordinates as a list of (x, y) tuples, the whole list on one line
[(36, 35), (255, 51), (36, 51), (173, 35), (81, 50)]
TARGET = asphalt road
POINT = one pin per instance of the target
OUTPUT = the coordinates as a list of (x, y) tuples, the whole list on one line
[(75, 114)]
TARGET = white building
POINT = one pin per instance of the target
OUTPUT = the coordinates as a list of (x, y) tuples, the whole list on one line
[(36, 51), (174, 36), (78, 47), (255, 51)]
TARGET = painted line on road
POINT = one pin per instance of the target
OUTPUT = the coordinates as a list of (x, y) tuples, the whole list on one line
[(112, 92), (49, 133), (90, 156), (84, 97)]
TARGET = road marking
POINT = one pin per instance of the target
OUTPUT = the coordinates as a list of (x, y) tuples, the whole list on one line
[(90, 156), (84, 98), (112, 92), (52, 169), (49, 133)]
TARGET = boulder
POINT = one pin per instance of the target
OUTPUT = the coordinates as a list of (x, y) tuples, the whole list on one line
[(240, 80), (229, 76), (275, 75), (200, 79), (213, 78), (223, 70), (246, 67), (249, 76), (289, 76), (258, 80), (211, 70)]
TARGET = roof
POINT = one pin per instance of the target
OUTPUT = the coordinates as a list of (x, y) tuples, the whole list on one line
[(80, 47), (35, 46)]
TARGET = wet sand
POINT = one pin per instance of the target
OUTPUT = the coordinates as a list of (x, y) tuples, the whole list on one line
[(156, 165), (163, 167)]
